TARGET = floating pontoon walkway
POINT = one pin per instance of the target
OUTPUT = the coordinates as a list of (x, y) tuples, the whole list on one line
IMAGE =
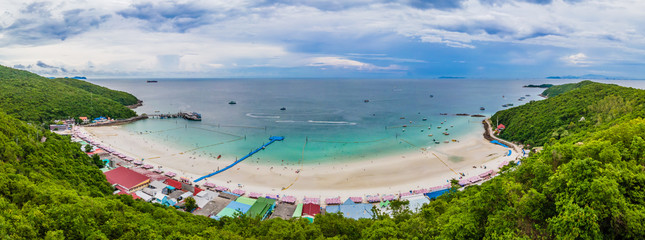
[(272, 139)]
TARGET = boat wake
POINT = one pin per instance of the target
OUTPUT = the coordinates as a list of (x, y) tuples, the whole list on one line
[(261, 115), (332, 122)]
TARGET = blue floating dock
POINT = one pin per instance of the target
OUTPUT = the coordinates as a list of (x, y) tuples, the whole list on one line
[(271, 140)]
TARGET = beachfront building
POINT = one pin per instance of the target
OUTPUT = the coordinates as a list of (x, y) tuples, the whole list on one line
[(310, 209), (84, 120), (416, 201), (261, 208), (350, 209), (127, 180)]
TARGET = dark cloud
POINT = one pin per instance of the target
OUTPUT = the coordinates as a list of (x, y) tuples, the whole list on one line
[(44, 65), (505, 32), (336, 5), (540, 2), (36, 24), (177, 17), (436, 4)]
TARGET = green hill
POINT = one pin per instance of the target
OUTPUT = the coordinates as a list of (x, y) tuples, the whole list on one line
[(561, 116), (33, 98), (118, 96), (553, 91)]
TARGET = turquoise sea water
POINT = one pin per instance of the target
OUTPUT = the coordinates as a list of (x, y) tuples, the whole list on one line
[(325, 119)]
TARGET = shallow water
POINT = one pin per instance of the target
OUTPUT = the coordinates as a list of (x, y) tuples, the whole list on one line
[(325, 119)]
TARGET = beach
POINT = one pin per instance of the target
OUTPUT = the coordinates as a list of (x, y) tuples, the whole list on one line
[(387, 174)]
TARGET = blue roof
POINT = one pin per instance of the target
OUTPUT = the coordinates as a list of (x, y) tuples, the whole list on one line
[(355, 211), (436, 194), (238, 206), (349, 202)]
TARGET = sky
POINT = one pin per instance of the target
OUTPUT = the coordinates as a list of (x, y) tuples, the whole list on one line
[(321, 39)]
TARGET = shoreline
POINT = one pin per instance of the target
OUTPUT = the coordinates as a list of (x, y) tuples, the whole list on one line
[(381, 175)]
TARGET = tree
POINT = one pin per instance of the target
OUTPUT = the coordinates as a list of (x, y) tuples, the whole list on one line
[(190, 204), (88, 148), (96, 160)]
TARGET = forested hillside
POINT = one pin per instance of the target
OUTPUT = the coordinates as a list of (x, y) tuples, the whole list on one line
[(589, 185), (577, 108), (119, 96), (33, 98), (553, 91)]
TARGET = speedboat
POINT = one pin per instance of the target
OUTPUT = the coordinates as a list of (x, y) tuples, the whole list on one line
[(232, 102)]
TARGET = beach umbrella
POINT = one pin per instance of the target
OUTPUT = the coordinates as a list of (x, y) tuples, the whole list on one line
[(238, 191)]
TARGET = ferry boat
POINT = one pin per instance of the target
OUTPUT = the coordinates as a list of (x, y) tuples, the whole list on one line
[(193, 116)]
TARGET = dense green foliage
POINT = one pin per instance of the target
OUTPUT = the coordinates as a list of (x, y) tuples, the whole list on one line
[(587, 185), (33, 98), (544, 85), (118, 96), (601, 105), (553, 91)]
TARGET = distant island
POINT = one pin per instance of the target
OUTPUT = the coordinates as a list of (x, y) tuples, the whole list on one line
[(544, 85), (450, 77), (587, 76)]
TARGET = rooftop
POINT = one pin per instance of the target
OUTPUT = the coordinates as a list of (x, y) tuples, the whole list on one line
[(125, 177)]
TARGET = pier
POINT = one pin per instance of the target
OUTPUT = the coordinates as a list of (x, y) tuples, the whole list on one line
[(272, 139), (189, 116)]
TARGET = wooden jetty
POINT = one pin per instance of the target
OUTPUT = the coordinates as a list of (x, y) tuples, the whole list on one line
[(188, 116)]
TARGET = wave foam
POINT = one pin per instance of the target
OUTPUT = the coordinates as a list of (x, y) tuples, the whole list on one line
[(261, 115), (332, 122)]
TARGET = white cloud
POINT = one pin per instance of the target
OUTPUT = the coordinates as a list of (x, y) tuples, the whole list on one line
[(341, 62), (578, 59)]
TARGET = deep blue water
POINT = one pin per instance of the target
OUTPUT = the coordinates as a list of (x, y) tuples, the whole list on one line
[(329, 115)]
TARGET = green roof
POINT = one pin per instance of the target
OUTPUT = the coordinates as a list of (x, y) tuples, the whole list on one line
[(298, 211), (228, 212), (261, 207), (245, 200)]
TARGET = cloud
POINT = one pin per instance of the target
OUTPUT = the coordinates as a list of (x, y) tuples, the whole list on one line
[(340, 62), (578, 59), (43, 22), (229, 37), (168, 15), (44, 65)]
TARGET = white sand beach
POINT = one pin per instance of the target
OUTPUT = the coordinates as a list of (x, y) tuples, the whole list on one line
[(388, 174)]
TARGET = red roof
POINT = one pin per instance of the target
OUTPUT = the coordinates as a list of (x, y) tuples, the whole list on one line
[(97, 151), (174, 183), (125, 177), (197, 190), (501, 126), (310, 209)]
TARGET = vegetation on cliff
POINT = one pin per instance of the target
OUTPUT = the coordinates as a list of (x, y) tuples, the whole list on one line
[(33, 98)]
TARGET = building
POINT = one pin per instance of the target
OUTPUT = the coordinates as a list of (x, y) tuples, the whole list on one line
[(350, 209), (130, 181), (261, 208), (84, 119), (310, 209), (416, 202)]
